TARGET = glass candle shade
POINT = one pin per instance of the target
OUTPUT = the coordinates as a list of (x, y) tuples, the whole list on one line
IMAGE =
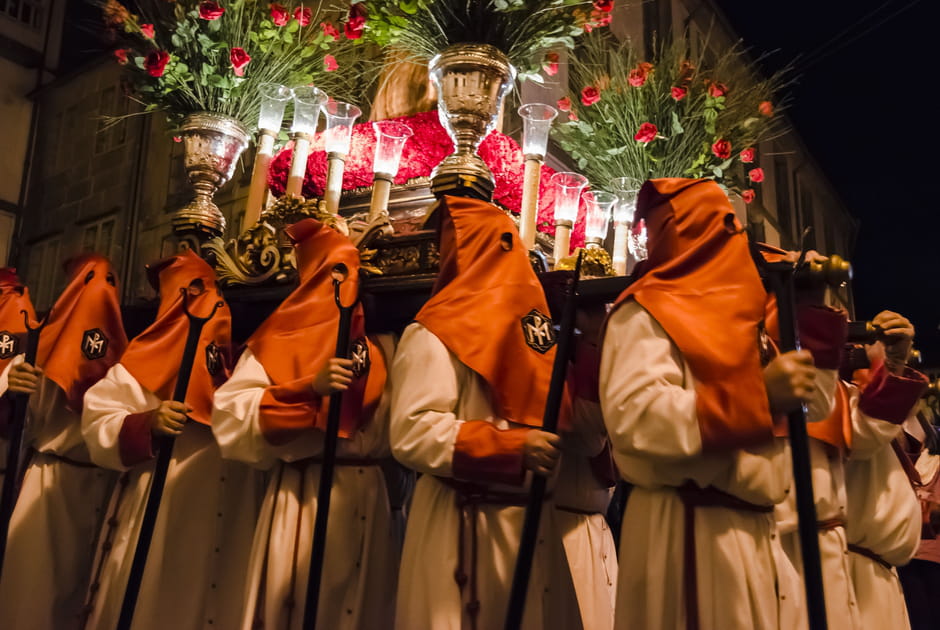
[(390, 139), (598, 204), (307, 103), (340, 118), (274, 99), (626, 189), (537, 122), (568, 187)]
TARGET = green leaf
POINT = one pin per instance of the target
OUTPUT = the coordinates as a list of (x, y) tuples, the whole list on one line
[(677, 127)]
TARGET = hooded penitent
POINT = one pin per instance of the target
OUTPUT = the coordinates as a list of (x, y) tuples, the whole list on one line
[(14, 299), (153, 357), (297, 340), (84, 335), (701, 285), (489, 309)]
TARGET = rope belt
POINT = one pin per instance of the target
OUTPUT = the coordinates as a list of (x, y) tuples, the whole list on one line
[(830, 524), (66, 460), (871, 555), (470, 497), (693, 497)]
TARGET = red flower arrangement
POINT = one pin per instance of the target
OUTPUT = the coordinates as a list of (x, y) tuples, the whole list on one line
[(679, 93), (329, 63), (721, 149), (121, 55), (747, 155), (717, 90), (356, 22), (155, 62), (639, 74), (551, 63), (766, 108), (239, 59), (279, 15), (303, 15), (147, 30), (756, 175), (747, 195), (429, 145), (564, 104), (209, 10), (646, 133), (330, 31), (590, 95)]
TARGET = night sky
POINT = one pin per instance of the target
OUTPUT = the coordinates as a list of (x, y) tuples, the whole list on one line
[(864, 107)]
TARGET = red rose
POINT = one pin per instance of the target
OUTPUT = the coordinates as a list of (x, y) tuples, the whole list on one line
[(329, 63), (747, 195), (646, 133), (209, 10), (279, 15), (639, 74), (716, 90), (239, 59), (121, 55), (679, 93), (551, 64), (604, 5), (303, 15), (329, 30), (564, 104), (147, 30), (356, 21), (766, 108), (572, 116), (722, 149), (590, 95), (756, 175), (155, 62), (747, 155)]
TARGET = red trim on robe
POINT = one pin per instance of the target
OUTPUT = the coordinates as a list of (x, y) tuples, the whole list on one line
[(891, 397), (287, 410), (823, 332), (135, 441), (484, 453)]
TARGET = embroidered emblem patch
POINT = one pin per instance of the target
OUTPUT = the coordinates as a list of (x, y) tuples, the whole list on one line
[(9, 344), (359, 353), (213, 359), (538, 330), (94, 344)]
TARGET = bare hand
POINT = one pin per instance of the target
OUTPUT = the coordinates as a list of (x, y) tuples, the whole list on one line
[(334, 376), (790, 379), (898, 337), (23, 378), (811, 256), (541, 452), (169, 418)]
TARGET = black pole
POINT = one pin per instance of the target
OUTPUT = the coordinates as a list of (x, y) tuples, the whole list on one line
[(781, 281), (20, 402), (330, 441), (158, 480), (533, 510)]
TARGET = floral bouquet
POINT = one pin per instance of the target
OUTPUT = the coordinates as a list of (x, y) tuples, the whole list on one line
[(523, 29), (672, 116), (185, 56)]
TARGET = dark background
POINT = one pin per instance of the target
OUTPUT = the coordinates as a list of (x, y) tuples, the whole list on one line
[(864, 105)]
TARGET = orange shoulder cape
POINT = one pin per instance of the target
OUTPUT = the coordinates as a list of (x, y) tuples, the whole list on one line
[(489, 309), (300, 336), (153, 357), (703, 288), (14, 299)]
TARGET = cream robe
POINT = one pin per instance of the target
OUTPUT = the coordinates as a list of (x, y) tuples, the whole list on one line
[(744, 579), (56, 520), (833, 504), (357, 588), (195, 574), (884, 516), (575, 566)]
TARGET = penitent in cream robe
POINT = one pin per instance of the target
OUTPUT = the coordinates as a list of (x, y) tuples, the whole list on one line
[(56, 520), (357, 589), (575, 566), (743, 578), (195, 573)]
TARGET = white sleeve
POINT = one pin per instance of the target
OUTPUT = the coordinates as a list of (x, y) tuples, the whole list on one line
[(648, 406), (425, 392)]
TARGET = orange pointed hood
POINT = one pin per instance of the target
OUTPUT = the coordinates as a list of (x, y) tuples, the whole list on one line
[(153, 357), (489, 309), (84, 335), (703, 288), (14, 299), (300, 336)]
